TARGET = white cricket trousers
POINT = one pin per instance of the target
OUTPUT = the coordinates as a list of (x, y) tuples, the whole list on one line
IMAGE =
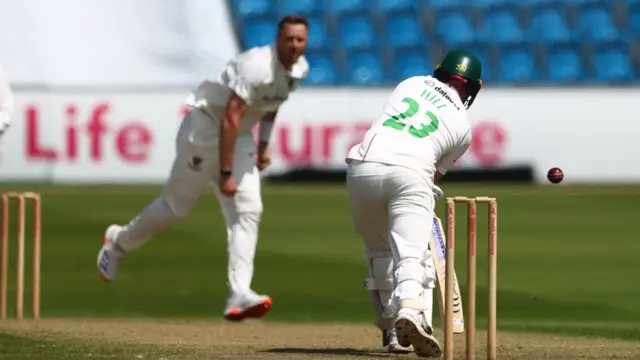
[(392, 209), (197, 165)]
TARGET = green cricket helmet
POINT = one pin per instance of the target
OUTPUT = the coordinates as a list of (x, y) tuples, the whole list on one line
[(465, 66)]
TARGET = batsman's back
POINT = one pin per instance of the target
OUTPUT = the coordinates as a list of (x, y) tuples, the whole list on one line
[(423, 126)]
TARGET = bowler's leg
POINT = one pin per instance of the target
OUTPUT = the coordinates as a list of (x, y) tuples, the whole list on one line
[(242, 214), (191, 170)]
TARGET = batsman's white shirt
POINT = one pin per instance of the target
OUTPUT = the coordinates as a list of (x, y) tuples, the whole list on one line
[(258, 77), (424, 126)]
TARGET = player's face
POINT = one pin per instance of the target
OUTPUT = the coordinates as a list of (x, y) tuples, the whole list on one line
[(292, 41)]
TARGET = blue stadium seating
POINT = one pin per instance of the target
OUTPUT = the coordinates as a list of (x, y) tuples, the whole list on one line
[(501, 27), (442, 4), (364, 68), (258, 32), (339, 7), (596, 24), (486, 4), (517, 65), (580, 2), (612, 65), (356, 32), (318, 34), (634, 21), (536, 4), (389, 6), (455, 28), (248, 8), (322, 70), (412, 62), (403, 30), (550, 26), (300, 7), (564, 65), (371, 42)]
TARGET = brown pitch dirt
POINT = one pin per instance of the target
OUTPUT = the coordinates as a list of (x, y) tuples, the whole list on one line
[(171, 339)]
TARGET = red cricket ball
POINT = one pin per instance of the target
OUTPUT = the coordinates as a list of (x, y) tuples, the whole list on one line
[(555, 175)]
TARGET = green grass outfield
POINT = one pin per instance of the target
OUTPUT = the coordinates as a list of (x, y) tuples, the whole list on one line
[(568, 257)]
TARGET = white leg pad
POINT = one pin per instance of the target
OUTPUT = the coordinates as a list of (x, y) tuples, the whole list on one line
[(425, 302), (380, 284), (429, 285), (411, 277)]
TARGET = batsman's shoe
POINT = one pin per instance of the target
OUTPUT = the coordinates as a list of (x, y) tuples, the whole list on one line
[(390, 340), (110, 255), (411, 329), (248, 306)]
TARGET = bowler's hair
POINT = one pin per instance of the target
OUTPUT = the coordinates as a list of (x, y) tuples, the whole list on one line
[(292, 20)]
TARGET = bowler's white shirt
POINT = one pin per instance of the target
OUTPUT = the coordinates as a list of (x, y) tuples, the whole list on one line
[(431, 135), (258, 77)]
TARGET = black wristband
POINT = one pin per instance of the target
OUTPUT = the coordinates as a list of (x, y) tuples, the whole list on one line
[(224, 172)]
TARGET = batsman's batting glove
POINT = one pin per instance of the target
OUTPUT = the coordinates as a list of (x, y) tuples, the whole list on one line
[(437, 193)]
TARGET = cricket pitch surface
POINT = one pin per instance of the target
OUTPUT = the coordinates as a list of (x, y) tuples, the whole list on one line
[(117, 339)]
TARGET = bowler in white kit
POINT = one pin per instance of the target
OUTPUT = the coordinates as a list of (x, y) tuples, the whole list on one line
[(391, 176), (215, 146)]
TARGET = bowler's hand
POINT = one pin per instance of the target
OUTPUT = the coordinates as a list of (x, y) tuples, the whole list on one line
[(227, 185), (264, 159)]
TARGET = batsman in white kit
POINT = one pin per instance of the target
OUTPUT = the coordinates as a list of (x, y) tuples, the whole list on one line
[(215, 146), (391, 177)]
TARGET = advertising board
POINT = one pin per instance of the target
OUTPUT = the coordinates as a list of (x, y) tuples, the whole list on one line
[(129, 137)]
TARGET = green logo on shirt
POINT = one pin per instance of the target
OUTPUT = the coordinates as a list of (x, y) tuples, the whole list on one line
[(423, 129)]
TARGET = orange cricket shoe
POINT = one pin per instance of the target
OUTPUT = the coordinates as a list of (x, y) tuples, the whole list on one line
[(249, 306)]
